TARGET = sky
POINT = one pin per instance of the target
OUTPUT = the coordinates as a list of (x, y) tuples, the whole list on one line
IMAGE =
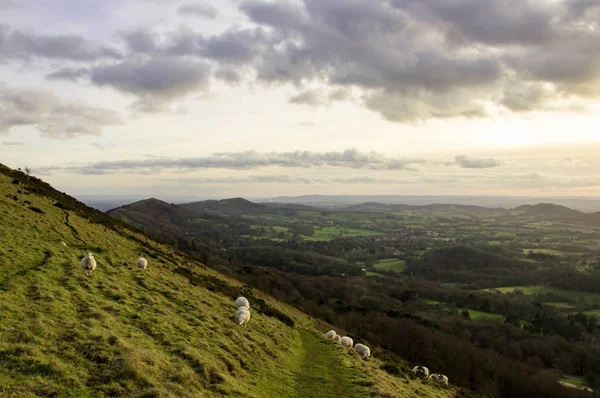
[(260, 99)]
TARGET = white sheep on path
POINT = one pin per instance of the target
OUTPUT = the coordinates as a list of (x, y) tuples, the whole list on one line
[(88, 264), (439, 378), (63, 244), (362, 350), (142, 263), (420, 370), (337, 339), (347, 342), (242, 316), (242, 302), (331, 334)]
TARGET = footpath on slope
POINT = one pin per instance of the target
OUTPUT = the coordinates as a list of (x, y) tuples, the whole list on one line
[(325, 370)]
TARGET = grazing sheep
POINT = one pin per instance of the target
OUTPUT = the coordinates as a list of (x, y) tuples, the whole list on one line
[(331, 334), (347, 342), (337, 339), (242, 302), (439, 378), (242, 316), (88, 264), (142, 263), (63, 244), (362, 350), (421, 371)]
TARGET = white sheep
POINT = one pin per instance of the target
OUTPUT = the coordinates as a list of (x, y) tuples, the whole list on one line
[(439, 378), (347, 342), (88, 264), (242, 302), (63, 244), (421, 371), (242, 316), (331, 334), (362, 350), (142, 263), (338, 339)]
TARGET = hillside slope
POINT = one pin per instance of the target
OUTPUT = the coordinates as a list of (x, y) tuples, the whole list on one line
[(165, 332)]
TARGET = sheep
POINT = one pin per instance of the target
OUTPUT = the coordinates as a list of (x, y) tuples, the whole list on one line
[(338, 339), (362, 350), (63, 244), (347, 341), (331, 334), (242, 302), (88, 264), (142, 263), (439, 378), (421, 371), (242, 316)]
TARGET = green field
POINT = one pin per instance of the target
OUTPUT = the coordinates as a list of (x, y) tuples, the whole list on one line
[(390, 264), (480, 315), (168, 331), (544, 251), (329, 233), (573, 295), (370, 273)]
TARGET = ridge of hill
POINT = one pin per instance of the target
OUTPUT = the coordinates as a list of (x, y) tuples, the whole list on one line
[(165, 332)]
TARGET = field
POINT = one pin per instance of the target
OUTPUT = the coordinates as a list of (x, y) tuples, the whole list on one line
[(329, 233), (571, 295), (390, 264), (480, 315), (164, 332)]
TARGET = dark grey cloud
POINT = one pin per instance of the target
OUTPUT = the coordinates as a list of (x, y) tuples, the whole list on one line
[(351, 158), (16, 44), (141, 41), (202, 10), (470, 162), (408, 60), (156, 81), (50, 115), (432, 58), (70, 74)]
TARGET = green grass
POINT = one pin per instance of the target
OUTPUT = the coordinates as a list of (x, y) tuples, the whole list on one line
[(167, 331), (370, 273), (329, 233), (544, 251), (543, 289), (480, 315), (390, 264)]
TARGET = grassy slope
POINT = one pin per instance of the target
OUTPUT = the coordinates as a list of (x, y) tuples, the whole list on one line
[(390, 264), (165, 332)]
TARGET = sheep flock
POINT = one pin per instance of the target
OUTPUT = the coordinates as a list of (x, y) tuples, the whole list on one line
[(364, 351), (242, 317)]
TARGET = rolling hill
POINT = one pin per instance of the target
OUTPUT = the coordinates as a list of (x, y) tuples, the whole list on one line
[(165, 332)]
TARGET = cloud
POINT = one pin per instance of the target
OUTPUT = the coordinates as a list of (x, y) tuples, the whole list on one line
[(351, 158), (311, 98), (569, 162), (16, 44), (12, 143), (157, 81), (70, 74), (202, 10), (287, 179), (141, 41), (50, 115), (470, 162)]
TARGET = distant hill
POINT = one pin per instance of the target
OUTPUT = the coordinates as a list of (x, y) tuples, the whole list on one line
[(545, 209), (586, 204), (164, 332)]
